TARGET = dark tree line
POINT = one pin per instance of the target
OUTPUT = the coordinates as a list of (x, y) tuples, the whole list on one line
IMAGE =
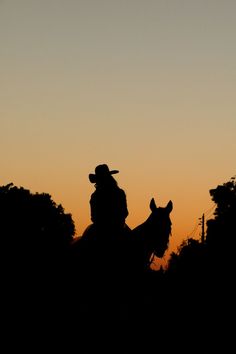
[(33, 225), (188, 301), (201, 275), (33, 228), (217, 253), (35, 235)]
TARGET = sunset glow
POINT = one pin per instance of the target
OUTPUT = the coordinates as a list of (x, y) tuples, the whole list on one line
[(147, 87)]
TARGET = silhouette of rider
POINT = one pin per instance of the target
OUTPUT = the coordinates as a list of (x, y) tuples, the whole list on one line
[(108, 205)]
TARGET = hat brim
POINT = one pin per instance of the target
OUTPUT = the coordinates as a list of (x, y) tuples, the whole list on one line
[(114, 172)]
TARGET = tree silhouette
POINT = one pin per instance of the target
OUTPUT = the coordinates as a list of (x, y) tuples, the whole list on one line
[(201, 275), (195, 258), (221, 231), (188, 261), (34, 229), (35, 235)]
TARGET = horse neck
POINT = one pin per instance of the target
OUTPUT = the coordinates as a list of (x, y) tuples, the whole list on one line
[(143, 234), (144, 229)]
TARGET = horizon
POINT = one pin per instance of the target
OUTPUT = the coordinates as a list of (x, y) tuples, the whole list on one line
[(200, 227)]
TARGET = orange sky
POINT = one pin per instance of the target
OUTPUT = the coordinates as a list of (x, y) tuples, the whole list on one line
[(147, 87)]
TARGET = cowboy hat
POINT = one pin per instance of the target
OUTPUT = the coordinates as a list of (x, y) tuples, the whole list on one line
[(101, 172)]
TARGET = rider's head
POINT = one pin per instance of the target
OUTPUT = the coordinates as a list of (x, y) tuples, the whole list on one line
[(102, 174)]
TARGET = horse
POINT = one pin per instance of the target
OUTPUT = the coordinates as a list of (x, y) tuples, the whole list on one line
[(151, 238), (134, 248), (107, 268)]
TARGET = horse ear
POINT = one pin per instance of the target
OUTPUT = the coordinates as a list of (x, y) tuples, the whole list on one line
[(153, 205), (169, 206)]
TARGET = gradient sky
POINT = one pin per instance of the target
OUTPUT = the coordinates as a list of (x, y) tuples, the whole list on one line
[(146, 86)]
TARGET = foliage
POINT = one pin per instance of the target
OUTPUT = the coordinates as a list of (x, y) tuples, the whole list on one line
[(195, 258), (188, 260), (225, 198), (221, 231), (32, 224)]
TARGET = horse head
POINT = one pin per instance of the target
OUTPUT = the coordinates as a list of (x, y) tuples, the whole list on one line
[(160, 227), (152, 236)]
